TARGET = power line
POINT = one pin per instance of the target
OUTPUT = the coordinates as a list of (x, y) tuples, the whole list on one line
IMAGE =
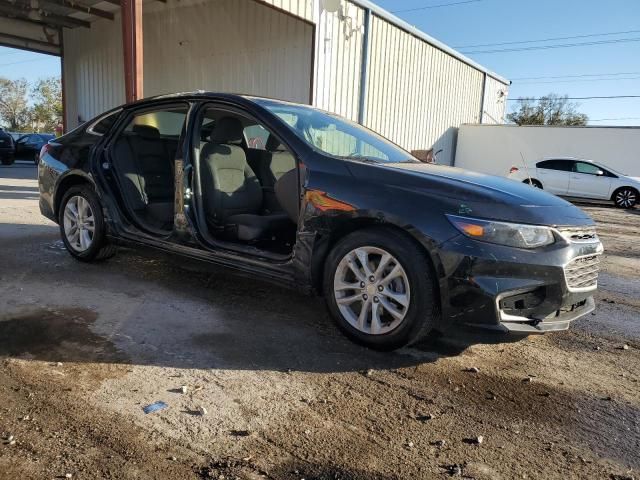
[(560, 45), (581, 75), (579, 80), (23, 61), (614, 119), (440, 5), (626, 32), (607, 97)]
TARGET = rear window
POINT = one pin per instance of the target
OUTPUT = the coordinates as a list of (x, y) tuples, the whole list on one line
[(104, 125), (168, 122), (562, 165)]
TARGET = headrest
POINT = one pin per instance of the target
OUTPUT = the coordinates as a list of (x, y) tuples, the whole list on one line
[(273, 144), (146, 131), (228, 130)]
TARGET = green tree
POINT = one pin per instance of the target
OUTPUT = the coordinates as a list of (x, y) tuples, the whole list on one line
[(46, 112), (551, 109), (14, 108)]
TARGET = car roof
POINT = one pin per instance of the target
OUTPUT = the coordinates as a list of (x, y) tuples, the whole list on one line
[(572, 159), (205, 95)]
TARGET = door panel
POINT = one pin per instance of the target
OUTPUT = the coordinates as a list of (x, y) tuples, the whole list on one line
[(589, 181), (554, 181)]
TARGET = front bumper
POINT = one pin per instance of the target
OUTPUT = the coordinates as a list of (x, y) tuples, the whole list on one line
[(557, 321), (515, 290)]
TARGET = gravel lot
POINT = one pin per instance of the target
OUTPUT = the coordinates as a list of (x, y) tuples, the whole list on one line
[(84, 347)]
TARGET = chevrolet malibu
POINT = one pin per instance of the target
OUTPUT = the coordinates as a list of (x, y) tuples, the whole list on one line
[(305, 198)]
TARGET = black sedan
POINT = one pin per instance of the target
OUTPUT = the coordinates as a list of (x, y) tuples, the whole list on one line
[(28, 146), (7, 149), (311, 200)]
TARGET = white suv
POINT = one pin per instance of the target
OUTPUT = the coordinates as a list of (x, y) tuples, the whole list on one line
[(580, 179)]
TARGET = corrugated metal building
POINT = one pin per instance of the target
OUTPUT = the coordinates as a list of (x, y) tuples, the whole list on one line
[(357, 60)]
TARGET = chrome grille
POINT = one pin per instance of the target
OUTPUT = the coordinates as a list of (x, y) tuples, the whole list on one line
[(582, 273), (579, 234)]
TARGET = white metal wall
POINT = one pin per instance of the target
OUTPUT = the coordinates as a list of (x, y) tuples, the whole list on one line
[(417, 94), (228, 46), (339, 61), (495, 101), (93, 70)]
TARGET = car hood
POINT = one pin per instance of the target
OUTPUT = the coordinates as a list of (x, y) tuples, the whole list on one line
[(464, 192)]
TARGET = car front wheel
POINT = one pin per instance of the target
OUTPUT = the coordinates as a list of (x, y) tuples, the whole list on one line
[(625, 198), (379, 288), (82, 225)]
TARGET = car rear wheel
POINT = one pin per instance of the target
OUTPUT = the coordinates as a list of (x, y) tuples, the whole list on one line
[(533, 182), (82, 225), (626, 198), (379, 289)]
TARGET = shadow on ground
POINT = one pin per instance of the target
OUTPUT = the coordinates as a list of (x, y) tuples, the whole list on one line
[(150, 310)]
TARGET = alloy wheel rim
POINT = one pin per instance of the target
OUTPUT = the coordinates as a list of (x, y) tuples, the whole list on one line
[(626, 198), (79, 223), (372, 290)]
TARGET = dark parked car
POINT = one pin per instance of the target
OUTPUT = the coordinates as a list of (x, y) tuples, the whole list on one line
[(311, 200), (6, 148), (28, 146)]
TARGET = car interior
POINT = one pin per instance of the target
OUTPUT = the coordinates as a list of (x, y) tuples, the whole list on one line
[(248, 183), (143, 158)]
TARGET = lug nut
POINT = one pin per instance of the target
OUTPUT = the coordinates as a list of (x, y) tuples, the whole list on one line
[(376, 299), (372, 278), (361, 284), (380, 288), (365, 296)]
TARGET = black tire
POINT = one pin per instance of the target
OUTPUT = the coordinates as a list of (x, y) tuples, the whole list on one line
[(424, 306), (7, 161), (625, 197), (533, 182), (100, 248)]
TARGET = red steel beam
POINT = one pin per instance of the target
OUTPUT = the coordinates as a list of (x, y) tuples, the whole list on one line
[(133, 51)]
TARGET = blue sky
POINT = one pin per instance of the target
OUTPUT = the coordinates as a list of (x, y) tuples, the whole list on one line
[(497, 21)]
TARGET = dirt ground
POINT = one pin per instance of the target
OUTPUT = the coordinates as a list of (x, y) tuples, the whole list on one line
[(83, 348)]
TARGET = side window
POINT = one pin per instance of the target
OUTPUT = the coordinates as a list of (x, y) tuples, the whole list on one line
[(165, 123), (588, 168), (256, 137), (560, 165), (104, 125)]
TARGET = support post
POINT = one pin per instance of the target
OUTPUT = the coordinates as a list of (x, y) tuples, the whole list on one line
[(65, 123), (482, 98), (364, 68), (132, 49)]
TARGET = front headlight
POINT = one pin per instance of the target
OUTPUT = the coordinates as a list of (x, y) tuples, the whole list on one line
[(509, 234)]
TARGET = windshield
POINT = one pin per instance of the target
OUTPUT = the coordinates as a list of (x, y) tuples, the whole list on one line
[(335, 135)]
